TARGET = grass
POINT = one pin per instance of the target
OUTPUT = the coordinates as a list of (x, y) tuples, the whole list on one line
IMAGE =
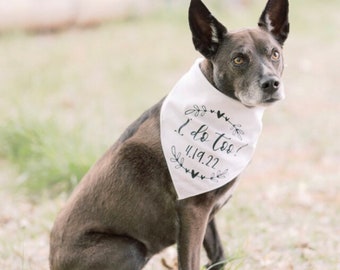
[(66, 97), (47, 157)]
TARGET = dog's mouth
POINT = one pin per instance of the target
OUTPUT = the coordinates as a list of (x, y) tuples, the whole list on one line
[(256, 97), (275, 97), (271, 100), (261, 102)]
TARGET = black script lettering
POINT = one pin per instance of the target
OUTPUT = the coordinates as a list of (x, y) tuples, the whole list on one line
[(201, 134), (201, 156), (182, 126), (210, 159), (221, 144)]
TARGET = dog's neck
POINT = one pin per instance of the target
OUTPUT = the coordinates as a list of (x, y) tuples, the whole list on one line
[(208, 71)]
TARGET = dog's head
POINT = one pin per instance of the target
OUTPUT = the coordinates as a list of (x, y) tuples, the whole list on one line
[(247, 64)]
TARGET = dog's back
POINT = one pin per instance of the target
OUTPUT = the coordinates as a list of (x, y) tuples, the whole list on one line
[(116, 200)]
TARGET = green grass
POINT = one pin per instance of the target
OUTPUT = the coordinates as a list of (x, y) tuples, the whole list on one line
[(47, 157), (232, 263)]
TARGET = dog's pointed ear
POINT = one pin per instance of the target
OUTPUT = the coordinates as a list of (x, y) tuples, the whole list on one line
[(274, 19), (207, 31)]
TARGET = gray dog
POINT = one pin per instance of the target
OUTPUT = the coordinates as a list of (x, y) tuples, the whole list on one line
[(132, 204)]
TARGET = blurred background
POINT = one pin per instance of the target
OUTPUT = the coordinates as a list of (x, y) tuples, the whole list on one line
[(75, 73)]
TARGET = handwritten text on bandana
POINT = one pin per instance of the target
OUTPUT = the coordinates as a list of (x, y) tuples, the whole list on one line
[(207, 138)]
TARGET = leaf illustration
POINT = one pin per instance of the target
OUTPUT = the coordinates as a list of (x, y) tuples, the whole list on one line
[(190, 111), (173, 150), (181, 161)]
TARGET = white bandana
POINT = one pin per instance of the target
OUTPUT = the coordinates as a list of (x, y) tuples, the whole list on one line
[(207, 138)]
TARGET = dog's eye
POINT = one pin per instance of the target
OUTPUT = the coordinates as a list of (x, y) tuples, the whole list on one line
[(239, 60), (275, 55)]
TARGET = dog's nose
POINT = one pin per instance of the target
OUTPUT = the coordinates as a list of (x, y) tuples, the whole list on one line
[(270, 85)]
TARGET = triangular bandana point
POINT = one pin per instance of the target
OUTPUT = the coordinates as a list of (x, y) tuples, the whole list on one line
[(207, 138)]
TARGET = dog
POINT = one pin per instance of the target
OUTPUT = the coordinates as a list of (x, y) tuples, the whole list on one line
[(127, 208)]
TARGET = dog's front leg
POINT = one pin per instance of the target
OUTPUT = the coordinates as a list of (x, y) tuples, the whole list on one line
[(213, 247), (193, 220)]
